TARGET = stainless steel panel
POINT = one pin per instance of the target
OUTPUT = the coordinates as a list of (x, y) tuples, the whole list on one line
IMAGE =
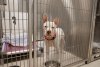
[(75, 19), (13, 23), (97, 32), (95, 50)]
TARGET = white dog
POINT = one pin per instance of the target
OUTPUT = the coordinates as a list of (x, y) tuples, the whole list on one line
[(53, 36)]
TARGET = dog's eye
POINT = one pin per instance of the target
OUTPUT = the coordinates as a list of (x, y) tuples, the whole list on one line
[(53, 27), (45, 26)]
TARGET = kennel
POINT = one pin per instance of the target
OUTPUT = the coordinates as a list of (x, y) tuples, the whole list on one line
[(95, 49), (21, 33)]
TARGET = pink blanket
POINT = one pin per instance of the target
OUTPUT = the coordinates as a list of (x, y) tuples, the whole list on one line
[(7, 47)]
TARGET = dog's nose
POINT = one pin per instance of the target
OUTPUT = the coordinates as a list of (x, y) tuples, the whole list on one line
[(48, 32)]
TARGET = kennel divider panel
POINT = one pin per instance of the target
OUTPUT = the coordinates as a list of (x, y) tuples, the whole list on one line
[(93, 17), (30, 31), (76, 21), (96, 38), (72, 15), (7, 17)]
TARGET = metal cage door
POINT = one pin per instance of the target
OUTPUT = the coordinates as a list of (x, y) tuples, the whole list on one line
[(76, 22), (24, 35)]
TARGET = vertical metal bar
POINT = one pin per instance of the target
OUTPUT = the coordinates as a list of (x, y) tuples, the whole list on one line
[(76, 37), (30, 26), (5, 30), (9, 25), (27, 7), (23, 19), (19, 29), (83, 13), (57, 44), (39, 32), (66, 55), (71, 28), (42, 29), (1, 35), (9, 8), (9, 18), (35, 32), (68, 42), (93, 14), (14, 29)]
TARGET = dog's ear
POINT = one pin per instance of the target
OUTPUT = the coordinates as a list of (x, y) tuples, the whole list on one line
[(56, 21), (45, 18)]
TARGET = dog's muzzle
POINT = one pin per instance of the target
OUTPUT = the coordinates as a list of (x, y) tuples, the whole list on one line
[(49, 37), (48, 32)]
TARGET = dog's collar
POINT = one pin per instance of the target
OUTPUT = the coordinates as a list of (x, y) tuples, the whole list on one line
[(50, 39)]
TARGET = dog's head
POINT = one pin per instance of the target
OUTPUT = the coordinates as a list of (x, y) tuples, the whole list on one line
[(49, 28)]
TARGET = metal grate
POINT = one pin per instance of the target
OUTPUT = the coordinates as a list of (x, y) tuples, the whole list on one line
[(24, 40), (14, 26), (75, 20)]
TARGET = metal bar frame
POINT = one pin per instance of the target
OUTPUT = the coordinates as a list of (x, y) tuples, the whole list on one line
[(30, 31), (33, 34), (93, 14)]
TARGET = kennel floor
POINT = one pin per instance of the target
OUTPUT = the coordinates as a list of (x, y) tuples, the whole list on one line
[(67, 58)]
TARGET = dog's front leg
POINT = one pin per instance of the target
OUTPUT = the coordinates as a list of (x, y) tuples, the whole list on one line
[(47, 51), (58, 49)]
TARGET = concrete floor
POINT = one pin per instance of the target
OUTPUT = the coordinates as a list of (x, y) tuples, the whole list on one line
[(69, 59), (25, 64), (93, 64)]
